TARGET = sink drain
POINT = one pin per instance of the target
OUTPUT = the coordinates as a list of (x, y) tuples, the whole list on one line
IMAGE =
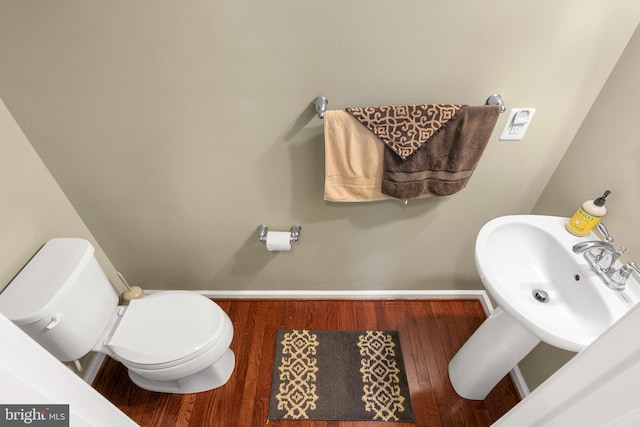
[(540, 295)]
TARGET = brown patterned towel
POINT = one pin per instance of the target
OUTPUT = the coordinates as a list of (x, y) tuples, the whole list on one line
[(405, 128), (443, 165)]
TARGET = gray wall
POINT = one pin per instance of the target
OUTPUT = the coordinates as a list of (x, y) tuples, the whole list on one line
[(176, 128), (34, 208), (605, 154)]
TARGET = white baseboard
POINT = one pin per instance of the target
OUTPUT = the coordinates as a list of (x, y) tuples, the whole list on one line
[(520, 383), (93, 367), (348, 294), (481, 295)]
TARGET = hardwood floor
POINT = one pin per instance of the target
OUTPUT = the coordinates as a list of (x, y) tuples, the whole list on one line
[(431, 331)]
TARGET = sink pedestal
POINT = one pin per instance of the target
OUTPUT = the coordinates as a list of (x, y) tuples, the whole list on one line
[(489, 354)]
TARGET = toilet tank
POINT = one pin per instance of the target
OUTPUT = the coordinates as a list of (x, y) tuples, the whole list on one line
[(61, 298)]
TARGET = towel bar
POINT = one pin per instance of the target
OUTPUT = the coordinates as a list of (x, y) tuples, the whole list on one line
[(321, 103)]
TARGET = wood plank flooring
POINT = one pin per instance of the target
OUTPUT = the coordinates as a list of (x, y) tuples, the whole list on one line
[(431, 331)]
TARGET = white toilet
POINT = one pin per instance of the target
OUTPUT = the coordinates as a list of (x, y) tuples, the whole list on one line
[(171, 342)]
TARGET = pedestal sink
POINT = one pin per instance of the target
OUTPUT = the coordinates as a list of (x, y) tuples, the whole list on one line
[(544, 292)]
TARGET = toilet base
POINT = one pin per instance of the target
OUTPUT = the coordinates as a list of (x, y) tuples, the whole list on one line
[(209, 378)]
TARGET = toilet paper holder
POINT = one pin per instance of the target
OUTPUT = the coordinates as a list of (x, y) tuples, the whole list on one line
[(296, 229)]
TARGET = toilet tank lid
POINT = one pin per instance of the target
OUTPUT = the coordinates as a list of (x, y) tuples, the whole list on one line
[(46, 279)]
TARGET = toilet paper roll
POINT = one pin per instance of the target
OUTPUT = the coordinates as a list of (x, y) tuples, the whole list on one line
[(278, 241)]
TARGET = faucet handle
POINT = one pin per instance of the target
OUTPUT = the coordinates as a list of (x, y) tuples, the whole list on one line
[(607, 237), (633, 267), (618, 278)]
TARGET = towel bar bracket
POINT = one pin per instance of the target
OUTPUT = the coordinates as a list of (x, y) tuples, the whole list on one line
[(321, 106), (496, 99)]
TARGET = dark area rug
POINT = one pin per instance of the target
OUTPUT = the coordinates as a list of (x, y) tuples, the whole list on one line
[(339, 375)]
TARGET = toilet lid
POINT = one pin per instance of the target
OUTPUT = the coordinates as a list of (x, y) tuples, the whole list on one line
[(166, 327)]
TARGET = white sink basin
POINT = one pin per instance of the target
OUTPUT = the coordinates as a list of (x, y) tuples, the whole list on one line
[(519, 254)]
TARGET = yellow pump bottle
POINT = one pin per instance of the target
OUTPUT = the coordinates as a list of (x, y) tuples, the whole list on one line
[(588, 215)]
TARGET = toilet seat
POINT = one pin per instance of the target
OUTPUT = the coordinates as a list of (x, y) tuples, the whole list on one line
[(158, 332)]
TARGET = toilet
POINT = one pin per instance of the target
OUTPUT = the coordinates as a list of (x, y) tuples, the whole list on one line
[(170, 341)]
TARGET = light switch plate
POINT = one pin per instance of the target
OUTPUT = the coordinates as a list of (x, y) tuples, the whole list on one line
[(517, 124)]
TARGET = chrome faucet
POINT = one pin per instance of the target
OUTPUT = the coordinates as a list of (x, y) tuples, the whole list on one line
[(592, 244), (602, 256), (599, 254)]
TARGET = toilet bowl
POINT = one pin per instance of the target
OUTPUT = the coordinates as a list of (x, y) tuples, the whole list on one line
[(171, 342)]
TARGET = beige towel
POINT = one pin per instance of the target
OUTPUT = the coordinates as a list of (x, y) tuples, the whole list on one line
[(353, 160)]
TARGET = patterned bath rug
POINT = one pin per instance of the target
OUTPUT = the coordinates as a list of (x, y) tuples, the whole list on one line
[(339, 375)]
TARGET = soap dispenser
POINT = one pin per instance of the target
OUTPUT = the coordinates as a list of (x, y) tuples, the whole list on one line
[(588, 215)]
